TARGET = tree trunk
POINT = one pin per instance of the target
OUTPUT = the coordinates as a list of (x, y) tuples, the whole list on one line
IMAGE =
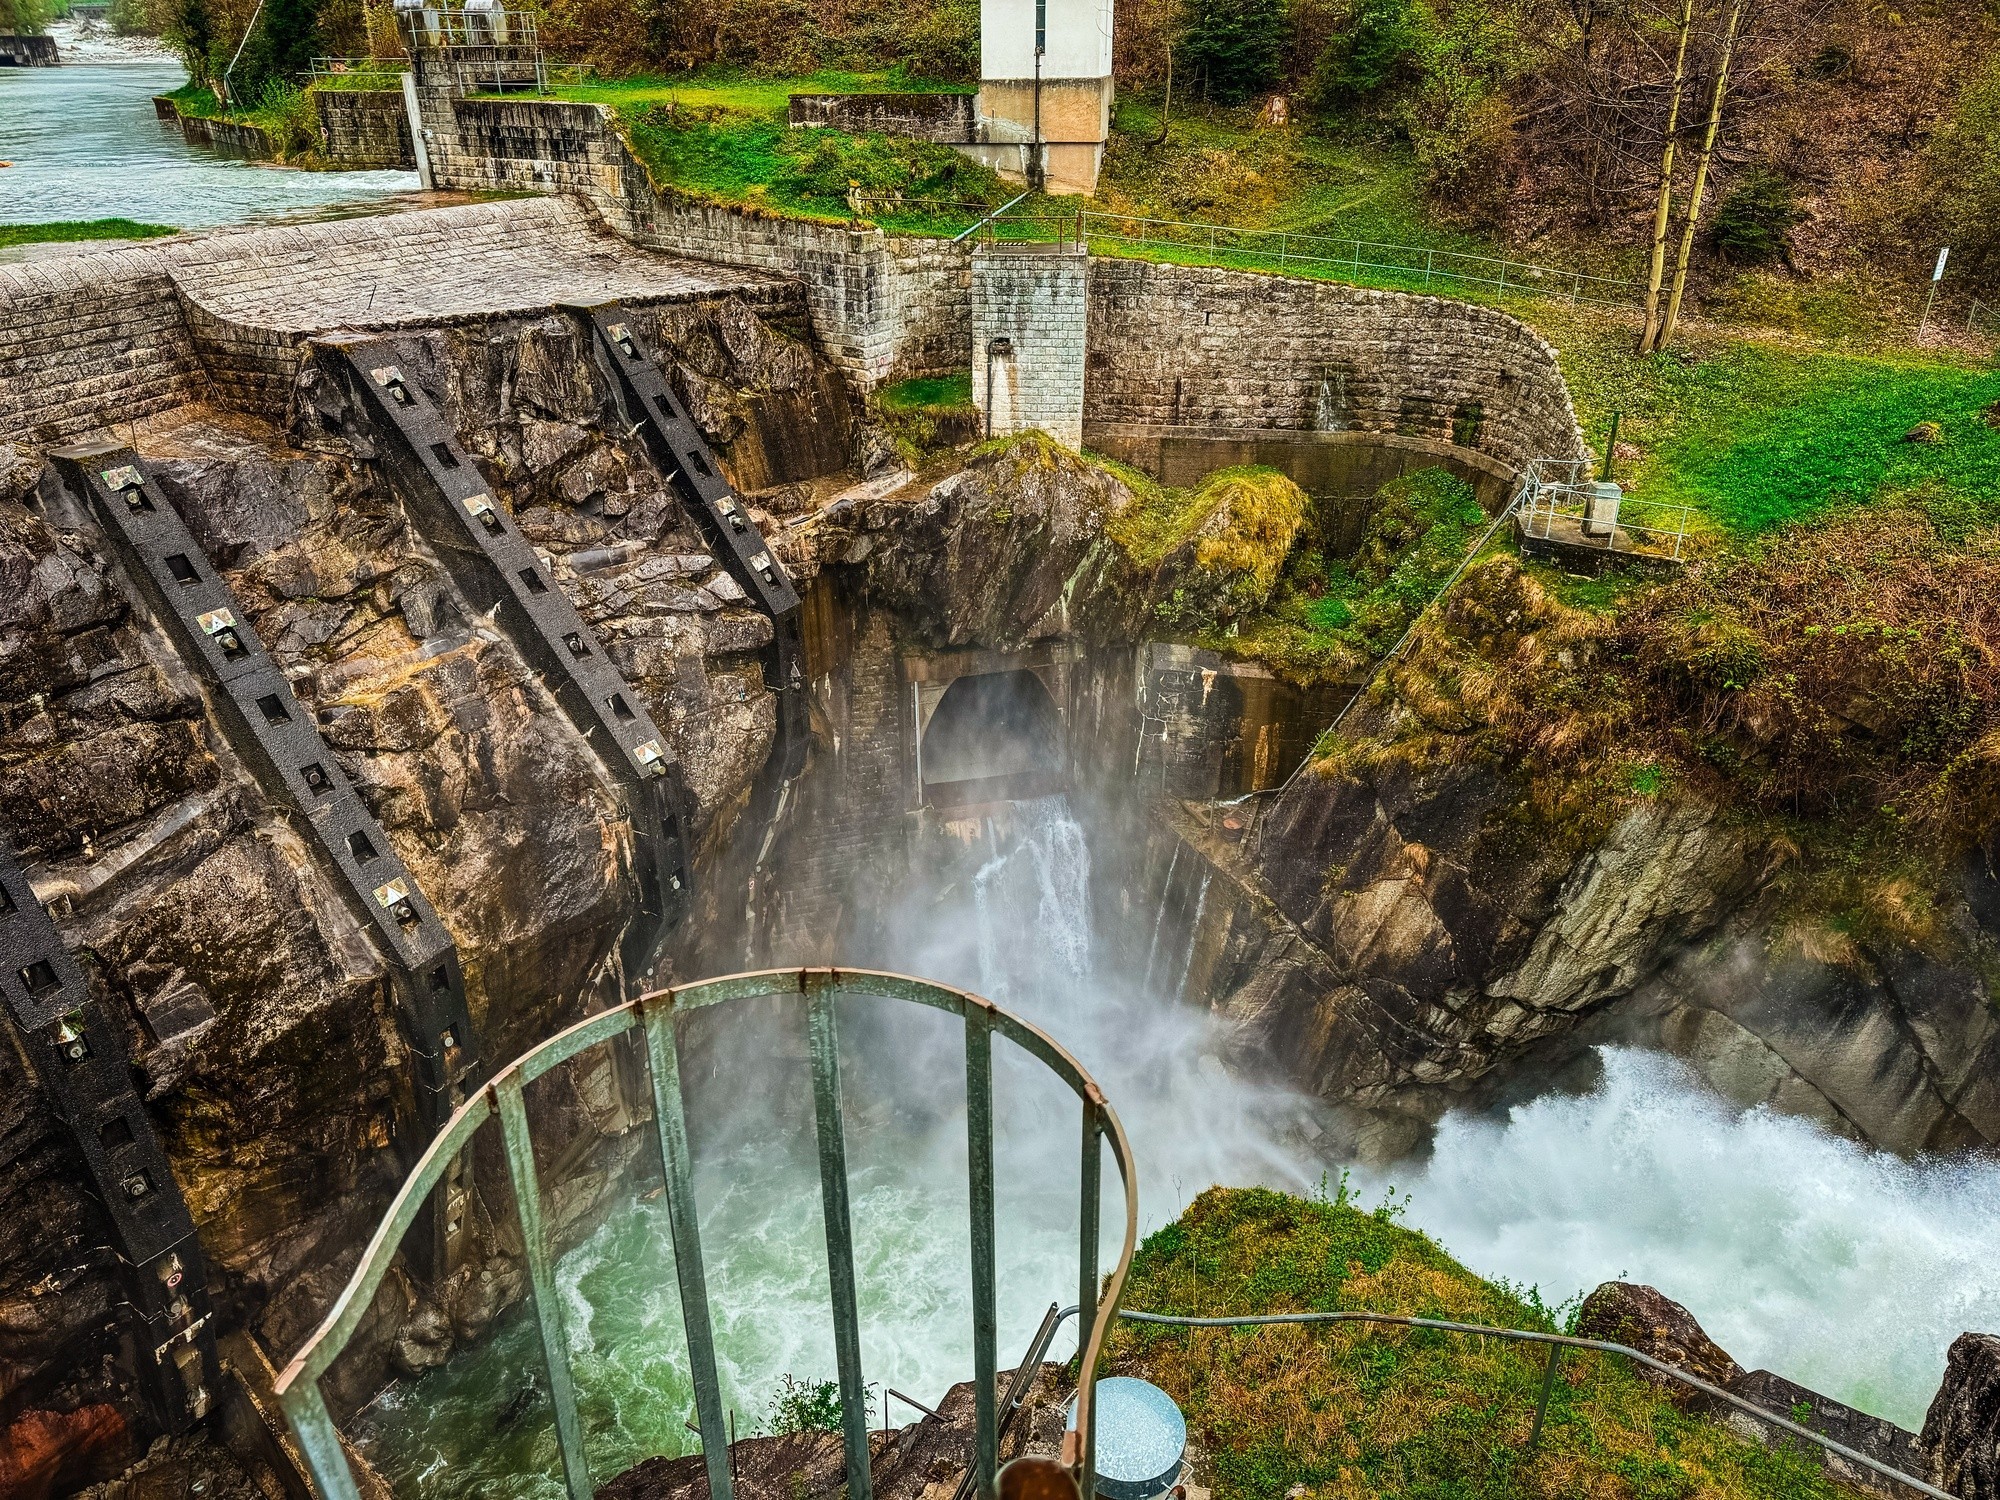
[(1701, 174), (1663, 210)]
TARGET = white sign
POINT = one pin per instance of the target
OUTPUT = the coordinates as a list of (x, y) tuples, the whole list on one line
[(1938, 274)]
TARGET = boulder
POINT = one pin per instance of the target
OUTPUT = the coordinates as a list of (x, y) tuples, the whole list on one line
[(1961, 1435), (1644, 1319)]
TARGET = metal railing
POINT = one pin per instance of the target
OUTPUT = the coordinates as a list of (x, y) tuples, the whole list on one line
[(324, 69), (1558, 1342), (1279, 249), (653, 1016), (1559, 504)]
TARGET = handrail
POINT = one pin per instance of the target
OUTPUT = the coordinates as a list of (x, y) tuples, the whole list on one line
[(965, 234), (1560, 1341), (654, 1014)]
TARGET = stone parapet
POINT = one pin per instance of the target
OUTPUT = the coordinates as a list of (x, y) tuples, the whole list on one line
[(365, 128), (1030, 318)]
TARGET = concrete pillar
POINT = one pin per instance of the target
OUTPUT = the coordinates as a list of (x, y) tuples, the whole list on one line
[(1030, 316)]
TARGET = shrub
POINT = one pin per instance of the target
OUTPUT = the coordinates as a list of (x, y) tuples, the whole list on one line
[(1376, 49), (23, 17), (1962, 168), (1754, 218), (1232, 49), (805, 1406), (188, 27)]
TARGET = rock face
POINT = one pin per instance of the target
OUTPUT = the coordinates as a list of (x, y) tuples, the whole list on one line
[(1641, 1318), (1961, 1435)]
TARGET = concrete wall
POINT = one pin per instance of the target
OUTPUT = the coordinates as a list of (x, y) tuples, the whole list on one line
[(365, 128), (928, 117), (230, 137), (1192, 347), (1078, 39), (1037, 299)]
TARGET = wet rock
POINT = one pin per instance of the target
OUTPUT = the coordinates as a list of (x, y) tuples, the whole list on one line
[(424, 1340), (1641, 1318), (1961, 1435)]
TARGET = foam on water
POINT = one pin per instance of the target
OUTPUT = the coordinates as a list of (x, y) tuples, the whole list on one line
[(1845, 1269)]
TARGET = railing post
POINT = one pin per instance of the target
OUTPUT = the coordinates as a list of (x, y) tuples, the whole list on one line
[(1086, 1281), (520, 1146), (823, 1043), (979, 1181), (320, 1440), (676, 1164), (1548, 1385)]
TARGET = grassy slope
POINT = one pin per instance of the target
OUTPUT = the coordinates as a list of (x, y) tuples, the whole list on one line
[(81, 229), (1350, 1412)]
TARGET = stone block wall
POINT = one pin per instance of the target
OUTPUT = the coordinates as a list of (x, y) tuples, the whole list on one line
[(947, 118), (1196, 347), (28, 52), (365, 128), (1036, 299), (885, 308), (90, 340)]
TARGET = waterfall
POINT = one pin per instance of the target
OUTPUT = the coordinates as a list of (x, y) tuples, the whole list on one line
[(1331, 406), (1194, 933)]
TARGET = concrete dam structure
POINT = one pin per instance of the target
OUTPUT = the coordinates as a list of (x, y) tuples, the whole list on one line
[(436, 645)]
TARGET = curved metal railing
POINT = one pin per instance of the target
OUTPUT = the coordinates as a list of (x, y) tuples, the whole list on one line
[(653, 1015), (1558, 1342)]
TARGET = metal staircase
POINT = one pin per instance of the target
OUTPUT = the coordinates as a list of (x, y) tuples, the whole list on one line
[(276, 736), (78, 1053)]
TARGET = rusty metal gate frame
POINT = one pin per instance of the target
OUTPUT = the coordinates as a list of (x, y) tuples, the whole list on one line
[(654, 1013)]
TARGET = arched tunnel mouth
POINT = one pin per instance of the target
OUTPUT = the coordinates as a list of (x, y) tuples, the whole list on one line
[(994, 736)]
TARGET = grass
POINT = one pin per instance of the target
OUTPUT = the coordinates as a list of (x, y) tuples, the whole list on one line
[(1350, 1411), (286, 115), (81, 229), (1761, 432), (742, 94)]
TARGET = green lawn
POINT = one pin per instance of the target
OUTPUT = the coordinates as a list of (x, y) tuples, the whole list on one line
[(739, 93), (1763, 431), (81, 229)]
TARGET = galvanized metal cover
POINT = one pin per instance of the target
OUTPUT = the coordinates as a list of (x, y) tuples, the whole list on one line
[(1141, 1438)]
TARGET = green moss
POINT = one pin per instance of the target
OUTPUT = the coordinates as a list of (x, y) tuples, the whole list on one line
[(927, 393), (1352, 1411), (81, 229)]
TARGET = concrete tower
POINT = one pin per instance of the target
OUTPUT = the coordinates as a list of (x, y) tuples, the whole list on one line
[(1045, 89)]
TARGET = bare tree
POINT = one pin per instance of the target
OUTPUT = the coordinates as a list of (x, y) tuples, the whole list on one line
[(1673, 317), (1663, 210)]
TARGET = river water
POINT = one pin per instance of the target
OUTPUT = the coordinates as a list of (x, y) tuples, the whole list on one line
[(1845, 1269), (84, 143)]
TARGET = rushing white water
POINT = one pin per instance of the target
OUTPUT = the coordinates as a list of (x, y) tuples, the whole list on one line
[(1845, 1269)]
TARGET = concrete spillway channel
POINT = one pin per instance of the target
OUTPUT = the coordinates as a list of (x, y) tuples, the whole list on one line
[(498, 572), (78, 1053), (276, 736)]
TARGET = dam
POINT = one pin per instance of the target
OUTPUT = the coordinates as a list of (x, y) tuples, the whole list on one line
[(434, 634)]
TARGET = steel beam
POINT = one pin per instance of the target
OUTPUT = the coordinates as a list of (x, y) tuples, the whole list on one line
[(279, 740), (500, 574), (78, 1054), (660, 420)]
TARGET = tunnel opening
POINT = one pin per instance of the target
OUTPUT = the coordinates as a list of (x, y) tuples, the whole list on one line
[(993, 737)]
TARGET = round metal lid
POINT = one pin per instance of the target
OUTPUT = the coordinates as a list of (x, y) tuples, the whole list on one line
[(1141, 1438)]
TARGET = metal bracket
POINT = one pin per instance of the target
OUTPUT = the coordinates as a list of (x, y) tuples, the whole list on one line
[(79, 1054), (496, 569)]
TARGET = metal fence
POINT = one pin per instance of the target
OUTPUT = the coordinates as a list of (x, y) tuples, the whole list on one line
[(347, 70), (1559, 503), (1556, 1343), (653, 1016), (1192, 241)]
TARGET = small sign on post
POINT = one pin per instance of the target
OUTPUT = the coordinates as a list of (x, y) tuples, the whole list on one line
[(1937, 275)]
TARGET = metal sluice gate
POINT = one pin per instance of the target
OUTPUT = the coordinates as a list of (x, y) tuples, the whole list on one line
[(277, 737), (499, 573), (652, 1016), (78, 1054)]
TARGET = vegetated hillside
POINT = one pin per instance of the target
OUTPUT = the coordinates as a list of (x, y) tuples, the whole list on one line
[(1347, 1411)]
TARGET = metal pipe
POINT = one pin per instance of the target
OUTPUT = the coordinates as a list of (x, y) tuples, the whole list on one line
[(823, 1043), (1566, 1341), (979, 1181)]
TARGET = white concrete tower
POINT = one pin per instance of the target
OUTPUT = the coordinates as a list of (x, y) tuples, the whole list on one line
[(1045, 89)]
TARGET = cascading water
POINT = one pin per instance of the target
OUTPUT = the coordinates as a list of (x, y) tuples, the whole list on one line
[(1840, 1267)]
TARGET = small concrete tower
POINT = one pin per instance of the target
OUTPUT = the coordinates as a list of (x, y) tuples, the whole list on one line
[(1045, 89)]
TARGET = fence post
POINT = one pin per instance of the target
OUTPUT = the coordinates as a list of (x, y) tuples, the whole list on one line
[(1548, 1385), (823, 1043), (979, 1175), (1086, 1289), (1428, 254)]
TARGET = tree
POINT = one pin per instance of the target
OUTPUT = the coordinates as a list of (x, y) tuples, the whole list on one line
[(23, 17), (1232, 49), (1709, 131), (189, 29), (282, 50), (1752, 223), (1663, 209), (1374, 51)]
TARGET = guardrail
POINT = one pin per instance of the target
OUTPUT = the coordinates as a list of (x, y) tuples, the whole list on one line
[(1558, 504), (653, 1016), (1279, 249), (323, 69), (1558, 1342)]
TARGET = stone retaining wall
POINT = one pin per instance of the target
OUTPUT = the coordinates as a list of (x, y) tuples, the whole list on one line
[(1196, 347), (231, 137), (950, 119), (28, 52), (365, 128), (1030, 316)]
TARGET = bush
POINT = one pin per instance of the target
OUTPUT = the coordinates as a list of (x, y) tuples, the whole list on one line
[(806, 1406), (1754, 218), (1962, 168), (1376, 49), (288, 37), (189, 29), (1232, 49), (23, 17)]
